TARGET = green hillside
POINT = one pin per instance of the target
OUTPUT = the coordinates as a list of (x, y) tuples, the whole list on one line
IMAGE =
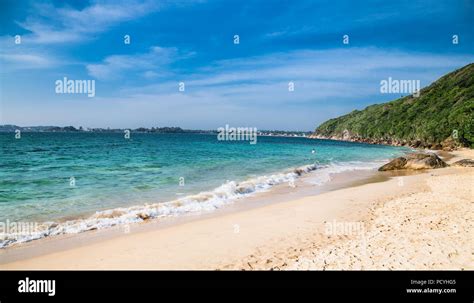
[(443, 111)]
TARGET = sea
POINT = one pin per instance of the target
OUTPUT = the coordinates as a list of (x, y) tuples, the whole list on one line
[(72, 182)]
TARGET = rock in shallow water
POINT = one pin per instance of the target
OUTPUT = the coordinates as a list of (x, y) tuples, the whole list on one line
[(415, 161)]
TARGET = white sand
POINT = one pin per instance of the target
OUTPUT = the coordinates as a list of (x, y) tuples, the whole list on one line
[(428, 230)]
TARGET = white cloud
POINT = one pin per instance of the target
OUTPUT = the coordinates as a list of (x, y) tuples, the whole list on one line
[(49, 25), (18, 57), (29, 59), (154, 63), (322, 74), (52, 24)]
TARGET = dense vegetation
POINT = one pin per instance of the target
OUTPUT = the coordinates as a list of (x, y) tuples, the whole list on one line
[(444, 108)]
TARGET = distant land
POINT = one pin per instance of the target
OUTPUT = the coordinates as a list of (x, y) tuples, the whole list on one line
[(13, 128), (159, 130), (442, 117)]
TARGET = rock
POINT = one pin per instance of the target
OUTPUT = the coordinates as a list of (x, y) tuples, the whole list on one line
[(346, 135), (424, 161), (415, 161), (464, 163), (397, 163), (143, 216), (53, 225), (299, 171), (416, 143), (450, 144)]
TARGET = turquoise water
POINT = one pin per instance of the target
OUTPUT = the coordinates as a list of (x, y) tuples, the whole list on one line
[(110, 171)]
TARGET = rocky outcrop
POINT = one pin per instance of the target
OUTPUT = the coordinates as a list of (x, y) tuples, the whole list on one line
[(415, 161), (398, 163), (448, 144), (464, 163)]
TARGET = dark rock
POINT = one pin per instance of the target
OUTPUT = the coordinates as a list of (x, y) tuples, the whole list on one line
[(464, 163), (397, 163), (416, 143), (144, 216), (415, 161), (299, 171)]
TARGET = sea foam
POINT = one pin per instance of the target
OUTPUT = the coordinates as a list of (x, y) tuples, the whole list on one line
[(202, 202)]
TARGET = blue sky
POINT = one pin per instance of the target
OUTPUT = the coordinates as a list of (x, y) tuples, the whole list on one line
[(243, 84)]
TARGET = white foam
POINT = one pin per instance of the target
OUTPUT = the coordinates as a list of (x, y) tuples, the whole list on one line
[(326, 173), (201, 202)]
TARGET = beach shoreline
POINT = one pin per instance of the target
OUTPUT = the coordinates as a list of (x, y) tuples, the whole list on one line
[(288, 234)]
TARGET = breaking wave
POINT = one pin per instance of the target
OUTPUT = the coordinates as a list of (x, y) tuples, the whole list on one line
[(202, 202)]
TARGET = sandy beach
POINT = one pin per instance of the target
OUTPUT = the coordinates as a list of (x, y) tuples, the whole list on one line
[(421, 220)]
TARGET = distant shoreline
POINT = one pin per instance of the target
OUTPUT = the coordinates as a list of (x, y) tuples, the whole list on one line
[(158, 130)]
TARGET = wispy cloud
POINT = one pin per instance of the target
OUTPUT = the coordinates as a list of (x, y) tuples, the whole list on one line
[(150, 65), (20, 57), (29, 59), (49, 25), (342, 66), (52, 24), (319, 76)]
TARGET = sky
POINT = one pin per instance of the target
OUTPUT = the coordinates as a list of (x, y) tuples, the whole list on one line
[(239, 84)]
